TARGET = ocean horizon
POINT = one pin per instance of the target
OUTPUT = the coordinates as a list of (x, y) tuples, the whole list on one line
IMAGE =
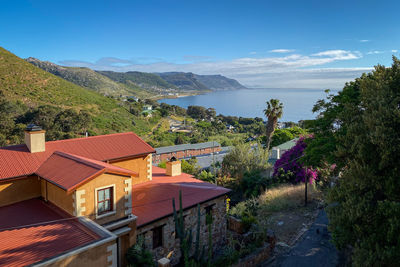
[(251, 102)]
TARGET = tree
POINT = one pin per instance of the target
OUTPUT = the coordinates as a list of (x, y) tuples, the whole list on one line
[(283, 135), (362, 124), (243, 158), (273, 112), (197, 112)]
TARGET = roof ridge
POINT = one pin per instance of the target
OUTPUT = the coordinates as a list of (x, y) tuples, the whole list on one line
[(76, 139), (89, 137), (80, 159)]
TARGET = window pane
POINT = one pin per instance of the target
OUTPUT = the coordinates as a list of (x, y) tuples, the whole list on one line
[(100, 207), (101, 195), (107, 193), (106, 205)]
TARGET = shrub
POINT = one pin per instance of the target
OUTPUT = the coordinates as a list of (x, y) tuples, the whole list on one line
[(138, 256), (289, 167)]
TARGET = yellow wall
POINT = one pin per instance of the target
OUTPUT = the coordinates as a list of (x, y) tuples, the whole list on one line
[(19, 190), (57, 196), (140, 165), (96, 256), (105, 179)]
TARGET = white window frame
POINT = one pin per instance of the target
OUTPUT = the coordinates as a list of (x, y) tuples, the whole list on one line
[(114, 211)]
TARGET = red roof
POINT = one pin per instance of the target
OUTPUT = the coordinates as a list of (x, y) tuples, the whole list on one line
[(35, 231), (156, 195), (16, 161), (69, 171)]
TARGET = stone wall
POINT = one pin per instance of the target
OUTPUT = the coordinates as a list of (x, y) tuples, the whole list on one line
[(171, 243)]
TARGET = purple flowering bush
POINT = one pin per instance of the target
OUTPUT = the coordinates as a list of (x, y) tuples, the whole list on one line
[(289, 169)]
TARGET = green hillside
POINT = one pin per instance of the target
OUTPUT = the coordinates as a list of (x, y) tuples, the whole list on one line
[(184, 80), (22, 82), (90, 79), (145, 80)]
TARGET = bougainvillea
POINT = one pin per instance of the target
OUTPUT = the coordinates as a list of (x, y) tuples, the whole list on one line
[(289, 167)]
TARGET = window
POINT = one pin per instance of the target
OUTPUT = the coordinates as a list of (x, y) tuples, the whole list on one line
[(209, 210), (158, 236), (104, 200)]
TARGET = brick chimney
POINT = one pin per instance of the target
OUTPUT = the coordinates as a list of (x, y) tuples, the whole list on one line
[(173, 167), (35, 138)]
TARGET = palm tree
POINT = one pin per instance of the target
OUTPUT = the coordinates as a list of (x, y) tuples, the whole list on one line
[(273, 112)]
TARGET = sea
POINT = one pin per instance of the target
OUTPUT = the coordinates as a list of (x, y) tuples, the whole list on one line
[(250, 103)]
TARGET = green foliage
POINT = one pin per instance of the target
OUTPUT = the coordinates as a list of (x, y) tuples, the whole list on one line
[(90, 79), (283, 135), (206, 176), (138, 256), (190, 166), (32, 87), (253, 183), (162, 164), (197, 112), (243, 158), (186, 238), (273, 112), (359, 130), (136, 79)]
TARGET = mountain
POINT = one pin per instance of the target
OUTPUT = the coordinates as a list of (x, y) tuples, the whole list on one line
[(140, 84), (191, 81), (90, 79), (149, 81), (219, 82), (25, 83), (183, 80)]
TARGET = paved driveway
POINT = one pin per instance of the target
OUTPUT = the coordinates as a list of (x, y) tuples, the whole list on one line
[(314, 249)]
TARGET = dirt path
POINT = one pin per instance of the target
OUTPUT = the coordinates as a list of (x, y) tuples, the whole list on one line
[(313, 249)]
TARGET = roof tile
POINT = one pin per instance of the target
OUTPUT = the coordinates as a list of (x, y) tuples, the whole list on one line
[(16, 161)]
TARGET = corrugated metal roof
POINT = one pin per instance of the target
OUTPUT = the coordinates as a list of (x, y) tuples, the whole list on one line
[(34, 231), (17, 161), (69, 171), (170, 149), (156, 195), (287, 145)]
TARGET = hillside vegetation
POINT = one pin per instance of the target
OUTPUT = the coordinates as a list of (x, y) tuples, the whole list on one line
[(26, 88), (91, 79), (149, 81)]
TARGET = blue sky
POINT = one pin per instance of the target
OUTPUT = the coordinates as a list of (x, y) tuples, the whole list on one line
[(283, 44)]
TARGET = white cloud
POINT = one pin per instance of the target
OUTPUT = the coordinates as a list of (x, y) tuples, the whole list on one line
[(375, 52), (339, 54), (253, 53), (394, 51), (291, 71), (364, 41), (281, 51)]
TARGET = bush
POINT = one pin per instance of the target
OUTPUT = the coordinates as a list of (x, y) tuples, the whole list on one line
[(289, 167), (138, 256), (253, 183)]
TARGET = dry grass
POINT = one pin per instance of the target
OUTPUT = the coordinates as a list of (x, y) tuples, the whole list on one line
[(287, 197)]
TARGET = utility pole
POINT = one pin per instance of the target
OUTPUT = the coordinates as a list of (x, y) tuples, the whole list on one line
[(305, 189)]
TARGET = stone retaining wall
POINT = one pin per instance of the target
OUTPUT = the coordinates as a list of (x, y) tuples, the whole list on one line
[(171, 243)]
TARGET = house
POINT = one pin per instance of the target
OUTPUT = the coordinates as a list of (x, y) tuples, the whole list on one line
[(230, 128), (147, 107), (83, 201), (185, 151), (278, 151)]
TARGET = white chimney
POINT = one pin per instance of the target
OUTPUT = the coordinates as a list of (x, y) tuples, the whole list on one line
[(35, 138), (173, 168), (275, 153)]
